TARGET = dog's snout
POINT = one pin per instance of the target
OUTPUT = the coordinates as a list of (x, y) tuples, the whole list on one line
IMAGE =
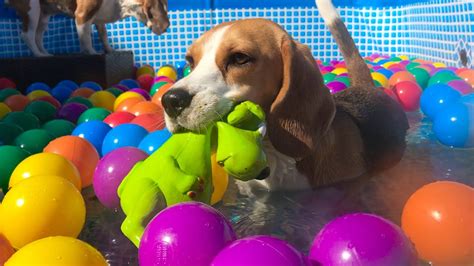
[(175, 101)]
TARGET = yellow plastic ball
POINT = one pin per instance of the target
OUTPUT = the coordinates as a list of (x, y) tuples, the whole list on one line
[(339, 70), (103, 99), (4, 110), (404, 57), (42, 206), (167, 71), (439, 65), (37, 94), (145, 69), (220, 180), (381, 78), (42, 164), (126, 95), (388, 64), (378, 59), (57, 251)]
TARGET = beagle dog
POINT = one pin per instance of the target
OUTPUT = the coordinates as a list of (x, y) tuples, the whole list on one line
[(35, 15), (314, 138)]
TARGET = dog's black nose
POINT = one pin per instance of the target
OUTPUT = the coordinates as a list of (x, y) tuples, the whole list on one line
[(175, 101)]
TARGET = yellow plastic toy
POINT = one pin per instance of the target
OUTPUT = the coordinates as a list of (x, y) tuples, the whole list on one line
[(339, 70), (37, 94), (126, 95), (4, 110), (44, 163), (103, 99), (381, 78), (39, 207), (220, 180), (57, 251), (167, 71)]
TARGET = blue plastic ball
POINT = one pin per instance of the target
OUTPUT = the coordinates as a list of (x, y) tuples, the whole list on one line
[(68, 83), (94, 132), (37, 86), (61, 93), (436, 97), (130, 83), (468, 99), (91, 85), (154, 141), (125, 135), (387, 73), (180, 67), (454, 126)]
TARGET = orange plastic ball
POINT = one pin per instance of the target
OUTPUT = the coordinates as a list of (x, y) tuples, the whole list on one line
[(401, 76), (127, 104), (83, 92), (125, 96), (144, 107), (157, 97), (17, 102), (80, 152), (439, 220), (6, 250), (151, 122), (468, 76)]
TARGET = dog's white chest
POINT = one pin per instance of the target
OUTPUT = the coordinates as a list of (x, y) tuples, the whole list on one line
[(283, 175)]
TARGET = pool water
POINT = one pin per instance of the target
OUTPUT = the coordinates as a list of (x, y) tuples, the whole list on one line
[(298, 216)]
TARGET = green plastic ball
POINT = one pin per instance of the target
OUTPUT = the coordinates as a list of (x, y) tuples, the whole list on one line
[(344, 80), (186, 71), (11, 157), (23, 119), (80, 99), (8, 133), (377, 84), (328, 77), (443, 78), (156, 87), (34, 140), (5, 93), (421, 75), (92, 114), (413, 65), (116, 92), (59, 127), (43, 110)]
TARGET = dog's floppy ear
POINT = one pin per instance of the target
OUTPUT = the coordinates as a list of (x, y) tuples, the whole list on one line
[(303, 110)]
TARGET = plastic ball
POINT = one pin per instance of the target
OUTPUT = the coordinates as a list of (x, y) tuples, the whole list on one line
[(80, 152), (91, 85), (68, 83), (37, 86), (43, 164), (144, 107), (125, 96), (110, 172), (71, 111), (421, 75), (187, 70), (81, 100), (443, 78), (163, 79), (381, 78), (7, 84), (387, 73), (259, 250), (116, 92), (439, 65), (93, 114), (454, 125), (344, 79), (118, 118), (220, 180), (436, 97), (4, 110), (130, 83), (180, 67), (5, 93), (329, 77), (154, 141), (17, 102), (57, 250), (408, 94), (167, 71), (49, 99), (61, 93), (362, 239), (157, 97), (438, 219), (127, 104), (145, 70), (399, 77), (151, 122), (468, 76), (6, 250), (43, 110), (54, 207), (11, 157), (103, 99), (390, 93), (94, 132), (160, 86), (461, 86), (171, 240), (145, 81), (121, 87), (59, 127), (339, 71), (24, 120), (122, 136), (83, 92), (142, 92), (336, 86), (9, 132), (33, 140)]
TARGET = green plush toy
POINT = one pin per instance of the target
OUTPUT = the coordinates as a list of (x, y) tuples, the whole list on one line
[(180, 170)]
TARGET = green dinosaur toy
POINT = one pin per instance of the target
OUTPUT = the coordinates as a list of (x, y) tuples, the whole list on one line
[(180, 170)]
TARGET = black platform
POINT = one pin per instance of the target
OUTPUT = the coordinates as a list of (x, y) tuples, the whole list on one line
[(105, 69)]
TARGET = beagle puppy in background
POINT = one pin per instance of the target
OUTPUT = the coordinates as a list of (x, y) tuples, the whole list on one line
[(35, 15), (314, 138)]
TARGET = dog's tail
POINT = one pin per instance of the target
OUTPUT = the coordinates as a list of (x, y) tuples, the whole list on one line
[(358, 71)]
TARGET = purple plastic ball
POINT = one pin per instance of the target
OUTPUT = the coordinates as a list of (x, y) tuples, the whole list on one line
[(336, 86), (121, 87), (71, 111), (462, 86), (260, 250), (375, 68), (327, 68), (362, 239), (110, 172), (190, 233), (142, 92)]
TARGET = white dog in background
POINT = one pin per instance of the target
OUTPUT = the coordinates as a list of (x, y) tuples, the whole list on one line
[(35, 15)]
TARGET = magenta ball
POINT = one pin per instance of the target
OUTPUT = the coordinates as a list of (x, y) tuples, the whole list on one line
[(462, 86), (362, 239), (71, 111), (336, 86), (260, 250), (142, 92), (110, 172), (190, 233), (327, 68)]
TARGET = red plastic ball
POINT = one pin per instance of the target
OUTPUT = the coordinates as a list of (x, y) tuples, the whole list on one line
[(6, 83), (151, 122), (118, 118), (145, 81), (17, 102), (49, 99), (408, 94)]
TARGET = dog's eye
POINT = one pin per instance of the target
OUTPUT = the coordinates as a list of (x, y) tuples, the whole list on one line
[(239, 59), (190, 61)]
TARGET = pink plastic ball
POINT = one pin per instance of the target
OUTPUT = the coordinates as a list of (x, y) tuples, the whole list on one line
[(145, 81), (462, 86)]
